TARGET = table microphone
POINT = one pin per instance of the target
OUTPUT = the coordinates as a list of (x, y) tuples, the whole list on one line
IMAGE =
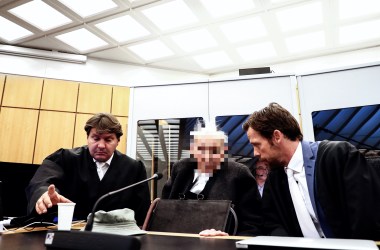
[(87, 240)]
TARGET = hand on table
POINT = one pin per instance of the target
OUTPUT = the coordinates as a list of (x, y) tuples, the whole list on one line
[(212, 232)]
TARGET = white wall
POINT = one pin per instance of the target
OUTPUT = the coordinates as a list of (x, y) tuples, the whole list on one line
[(163, 102), (94, 71), (243, 96), (340, 88), (104, 72), (318, 63), (301, 94), (208, 100)]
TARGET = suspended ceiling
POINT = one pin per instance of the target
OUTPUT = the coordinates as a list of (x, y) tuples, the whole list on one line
[(231, 35)]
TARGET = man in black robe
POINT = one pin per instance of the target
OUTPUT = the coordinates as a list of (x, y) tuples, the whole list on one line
[(82, 175), (333, 177), (210, 175)]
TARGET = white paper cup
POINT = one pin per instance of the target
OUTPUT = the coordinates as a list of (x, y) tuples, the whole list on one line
[(65, 215)]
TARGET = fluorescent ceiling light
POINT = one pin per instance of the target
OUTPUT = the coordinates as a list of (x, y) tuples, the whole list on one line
[(82, 40), (213, 60), (309, 41), (170, 15), (257, 51), (40, 15), (89, 8), (195, 40), (360, 32), (42, 54), (10, 31), (219, 8), (245, 29), (299, 17), (151, 50), (355, 8), (123, 28)]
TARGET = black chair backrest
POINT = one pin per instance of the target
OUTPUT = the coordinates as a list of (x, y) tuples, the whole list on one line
[(191, 216)]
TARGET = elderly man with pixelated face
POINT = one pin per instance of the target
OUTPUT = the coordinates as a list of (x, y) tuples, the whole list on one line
[(208, 150), (209, 174)]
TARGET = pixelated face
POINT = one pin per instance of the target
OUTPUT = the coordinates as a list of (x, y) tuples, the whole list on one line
[(264, 148), (262, 170), (101, 146), (209, 153)]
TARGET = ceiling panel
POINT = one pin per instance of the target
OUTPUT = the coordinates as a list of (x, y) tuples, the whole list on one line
[(265, 32)]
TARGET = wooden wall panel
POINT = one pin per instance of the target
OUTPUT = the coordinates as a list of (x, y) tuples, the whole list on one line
[(120, 101), (94, 98), (2, 80), (22, 92), (17, 134), (55, 130), (80, 136), (59, 95), (39, 116)]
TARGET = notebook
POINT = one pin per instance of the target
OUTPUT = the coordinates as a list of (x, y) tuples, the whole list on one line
[(296, 243)]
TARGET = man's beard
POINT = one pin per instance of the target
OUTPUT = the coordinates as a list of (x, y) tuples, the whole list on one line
[(275, 164)]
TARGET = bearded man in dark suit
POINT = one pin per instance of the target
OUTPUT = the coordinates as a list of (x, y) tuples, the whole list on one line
[(333, 177), (83, 174)]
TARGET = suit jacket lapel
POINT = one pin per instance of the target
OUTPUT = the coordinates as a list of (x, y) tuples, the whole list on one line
[(309, 151)]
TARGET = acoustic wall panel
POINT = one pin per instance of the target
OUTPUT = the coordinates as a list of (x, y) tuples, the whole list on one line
[(22, 92), (55, 131), (18, 128), (59, 95)]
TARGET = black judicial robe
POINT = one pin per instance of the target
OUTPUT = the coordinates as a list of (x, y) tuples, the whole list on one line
[(74, 174), (232, 182), (342, 189)]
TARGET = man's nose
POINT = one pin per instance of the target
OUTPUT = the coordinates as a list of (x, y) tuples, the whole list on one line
[(101, 144)]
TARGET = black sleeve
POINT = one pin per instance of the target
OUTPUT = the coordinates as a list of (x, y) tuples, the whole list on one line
[(142, 198), (345, 190), (248, 207), (167, 189), (271, 225), (50, 172)]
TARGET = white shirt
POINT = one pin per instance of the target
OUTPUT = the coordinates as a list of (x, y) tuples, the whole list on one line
[(261, 189), (200, 180), (102, 167), (297, 165)]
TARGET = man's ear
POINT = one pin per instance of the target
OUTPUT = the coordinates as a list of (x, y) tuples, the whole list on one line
[(277, 136)]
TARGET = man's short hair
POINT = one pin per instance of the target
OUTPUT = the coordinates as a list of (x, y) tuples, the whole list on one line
[(104, 123), (210, 131), (273, 117)]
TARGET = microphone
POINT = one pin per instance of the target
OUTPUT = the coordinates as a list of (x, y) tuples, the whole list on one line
[(87, 240), (90, 221)]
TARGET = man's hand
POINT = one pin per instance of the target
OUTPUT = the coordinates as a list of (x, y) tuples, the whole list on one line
[(48, 199), (212, 232)]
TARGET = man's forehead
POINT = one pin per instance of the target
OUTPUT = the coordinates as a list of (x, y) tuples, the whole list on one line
[(263, 167), (208, 140), (104, 134)]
